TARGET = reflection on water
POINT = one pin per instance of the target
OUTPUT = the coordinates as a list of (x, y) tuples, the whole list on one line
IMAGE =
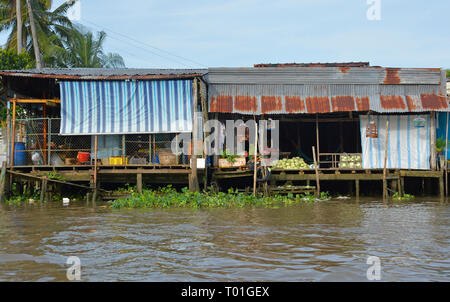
[(327, 241)]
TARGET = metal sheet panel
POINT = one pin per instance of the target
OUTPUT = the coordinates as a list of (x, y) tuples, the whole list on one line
[(324, 90)]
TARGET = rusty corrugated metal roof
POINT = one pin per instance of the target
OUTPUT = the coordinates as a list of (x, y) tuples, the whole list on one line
[(324, 90), (343, 64), (103, 73)]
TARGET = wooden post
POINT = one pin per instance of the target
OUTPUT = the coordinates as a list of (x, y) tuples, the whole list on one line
[(385, 191), (150, 149), (317, 137), (433, 141), (139, 183), (205, 134), (3, 182), (317, 172), (357, 188), (441, 186), (194, 187), (13, 136), (445, 160), (43, 189), (94, 197), (255, 159)]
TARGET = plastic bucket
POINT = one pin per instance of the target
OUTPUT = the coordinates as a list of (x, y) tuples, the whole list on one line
[(83, 157), (20, 158)]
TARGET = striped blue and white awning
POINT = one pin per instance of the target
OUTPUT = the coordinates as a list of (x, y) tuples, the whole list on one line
[(125, 107)]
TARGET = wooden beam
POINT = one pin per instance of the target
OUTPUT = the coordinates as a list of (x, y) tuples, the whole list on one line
[(144, 171), (51, 180), (36, 101)]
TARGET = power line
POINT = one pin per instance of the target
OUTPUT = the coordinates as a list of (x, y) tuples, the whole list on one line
[(148, 45), (169, 59)]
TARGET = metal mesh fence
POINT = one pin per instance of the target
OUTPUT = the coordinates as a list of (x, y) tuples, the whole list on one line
[(38, 142)]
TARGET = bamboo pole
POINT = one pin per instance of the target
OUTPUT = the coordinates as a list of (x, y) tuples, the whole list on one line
[(446, 154), (385, 192), (317, 171)]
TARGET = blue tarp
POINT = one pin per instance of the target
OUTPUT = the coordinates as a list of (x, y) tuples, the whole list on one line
[(125, 107)]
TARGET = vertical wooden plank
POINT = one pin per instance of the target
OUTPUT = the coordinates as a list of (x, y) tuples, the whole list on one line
[(441, 186), (317, 138), (94, 197), (255, 158), (194, 180), (317, 171), (446, 156), (433, 141), (3, 182), (13, 136), (357, 188), (385, 191), (43, 189), (139, 182)]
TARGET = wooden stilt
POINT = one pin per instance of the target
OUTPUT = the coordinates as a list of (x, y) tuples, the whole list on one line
[(139, 183), (43, 189), (385, 191), (3, 182), (357, 188), (255, 159), (446, 157), (317, 172), (441, 187), (193, 184)]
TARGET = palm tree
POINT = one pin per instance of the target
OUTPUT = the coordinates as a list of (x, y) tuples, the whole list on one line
[(83, 49), (37, 52), (47, 26)]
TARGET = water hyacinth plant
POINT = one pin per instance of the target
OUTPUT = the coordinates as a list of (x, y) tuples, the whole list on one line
[(168, 197)]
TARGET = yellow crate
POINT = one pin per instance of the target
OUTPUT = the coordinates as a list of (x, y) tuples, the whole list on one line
[(118, 161)]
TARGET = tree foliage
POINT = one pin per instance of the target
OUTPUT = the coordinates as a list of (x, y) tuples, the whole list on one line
[(10, 60), (61, 43)]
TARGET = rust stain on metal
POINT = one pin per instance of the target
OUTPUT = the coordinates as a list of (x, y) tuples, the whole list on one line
[(344, 69), (245, 103), (318, 104), (362, 103), (294, 104), (413, 103), (392, 76), (433, 101), (392, 102), (271, 104), (222, 103), (343, 103)]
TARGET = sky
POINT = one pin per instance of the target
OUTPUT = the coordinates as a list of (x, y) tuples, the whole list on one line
[(240, 33)]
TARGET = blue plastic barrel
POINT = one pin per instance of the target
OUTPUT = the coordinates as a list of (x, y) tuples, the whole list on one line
[(20, 158)]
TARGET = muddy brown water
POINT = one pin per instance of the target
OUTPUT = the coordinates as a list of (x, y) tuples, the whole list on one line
[(325, 241)]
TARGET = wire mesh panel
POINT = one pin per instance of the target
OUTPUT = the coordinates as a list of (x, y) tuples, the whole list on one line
[(37, 142)]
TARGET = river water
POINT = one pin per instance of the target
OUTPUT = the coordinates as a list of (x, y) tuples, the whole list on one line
[(325, 241)]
